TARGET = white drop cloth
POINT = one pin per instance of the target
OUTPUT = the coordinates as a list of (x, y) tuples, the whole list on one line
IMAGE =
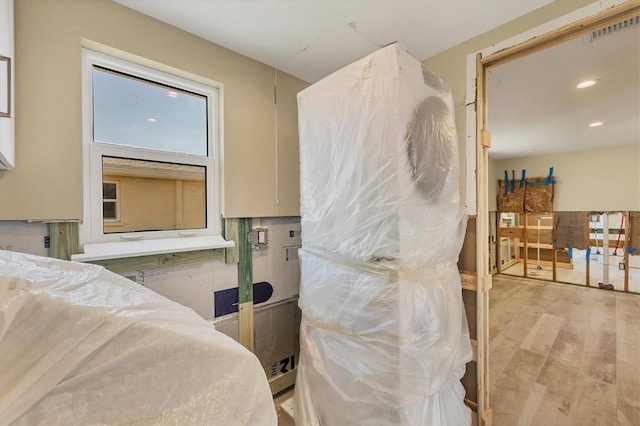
[(81, 345)]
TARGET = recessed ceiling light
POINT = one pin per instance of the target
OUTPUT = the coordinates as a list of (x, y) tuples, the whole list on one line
[(596, 124), (530, 150), (151, 120), (585, 84), (172, 94)]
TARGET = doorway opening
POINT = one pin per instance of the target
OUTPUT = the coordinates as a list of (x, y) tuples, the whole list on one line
[(563, 132), (565, 198)]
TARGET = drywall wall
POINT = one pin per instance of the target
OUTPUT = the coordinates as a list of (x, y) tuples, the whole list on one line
[(603, 179), (211, 289), (24, 237), (47, 181), (451, 65)]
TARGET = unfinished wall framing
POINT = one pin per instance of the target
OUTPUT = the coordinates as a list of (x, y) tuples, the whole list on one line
[(244, 328), (588, 248)]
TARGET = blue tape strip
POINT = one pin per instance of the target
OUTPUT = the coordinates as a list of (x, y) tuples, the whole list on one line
[(547, 181), (513, 181), (506, 182), (570, 253), (588, 254), (523, 178), (632, 250)]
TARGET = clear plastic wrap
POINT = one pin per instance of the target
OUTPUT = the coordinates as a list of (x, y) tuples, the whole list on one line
[(378, 161), (384, 337), (81, 345)]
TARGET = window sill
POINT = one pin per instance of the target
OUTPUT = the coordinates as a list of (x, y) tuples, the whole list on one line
[(123, 249)]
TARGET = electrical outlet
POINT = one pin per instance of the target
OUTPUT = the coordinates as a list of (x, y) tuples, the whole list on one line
[(259, 238)]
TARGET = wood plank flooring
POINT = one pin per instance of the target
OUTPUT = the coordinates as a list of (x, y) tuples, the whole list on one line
[(563, 355)]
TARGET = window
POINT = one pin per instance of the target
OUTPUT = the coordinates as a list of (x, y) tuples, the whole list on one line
[(110, 207), (151, 166)]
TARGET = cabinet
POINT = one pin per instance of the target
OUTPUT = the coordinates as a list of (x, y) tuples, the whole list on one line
[(7, 103)]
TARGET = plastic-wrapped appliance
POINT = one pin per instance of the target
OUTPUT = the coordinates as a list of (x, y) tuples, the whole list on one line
[(384, 338)]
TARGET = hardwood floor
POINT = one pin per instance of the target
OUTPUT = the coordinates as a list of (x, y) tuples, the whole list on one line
[(563, 355)]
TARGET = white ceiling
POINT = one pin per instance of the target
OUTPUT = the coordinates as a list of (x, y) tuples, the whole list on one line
[(312, 38), (534, 107)]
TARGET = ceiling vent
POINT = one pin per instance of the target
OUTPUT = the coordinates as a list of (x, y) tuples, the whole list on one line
[(613, 28)]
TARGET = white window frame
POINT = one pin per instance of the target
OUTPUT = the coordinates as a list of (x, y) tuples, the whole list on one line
[(96, 243), (113, 200)]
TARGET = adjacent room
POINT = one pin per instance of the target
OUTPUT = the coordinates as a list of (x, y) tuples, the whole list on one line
[(564, 158), (320, 212)]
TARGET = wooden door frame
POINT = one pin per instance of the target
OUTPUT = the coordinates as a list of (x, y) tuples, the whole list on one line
[(587, 19)]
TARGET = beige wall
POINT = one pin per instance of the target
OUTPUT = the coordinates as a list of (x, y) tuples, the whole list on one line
[(47, 181), (158, 204), (606, 179), (451, 65), (260, 169)]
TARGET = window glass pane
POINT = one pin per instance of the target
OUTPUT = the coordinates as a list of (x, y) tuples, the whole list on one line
[(108, 191), (156, 196), (131, 111), (109, 210)]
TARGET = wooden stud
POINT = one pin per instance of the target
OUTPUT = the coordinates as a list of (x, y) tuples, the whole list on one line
[(64, 240), (512, 233), (487, 417), (245, 325), (284, 381), (487, 283), (159, 260), (474, 350), (611, 243), (482, 252), (499, 245), (588, 271), (245, 285), (245, 278), (525, 245), (486, 139), (625, 256), (611, 16), (471, 404), (468, 280), (555, 264)]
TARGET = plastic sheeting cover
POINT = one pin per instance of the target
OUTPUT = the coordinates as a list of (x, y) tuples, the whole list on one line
[(384, 338), (81, 345)]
